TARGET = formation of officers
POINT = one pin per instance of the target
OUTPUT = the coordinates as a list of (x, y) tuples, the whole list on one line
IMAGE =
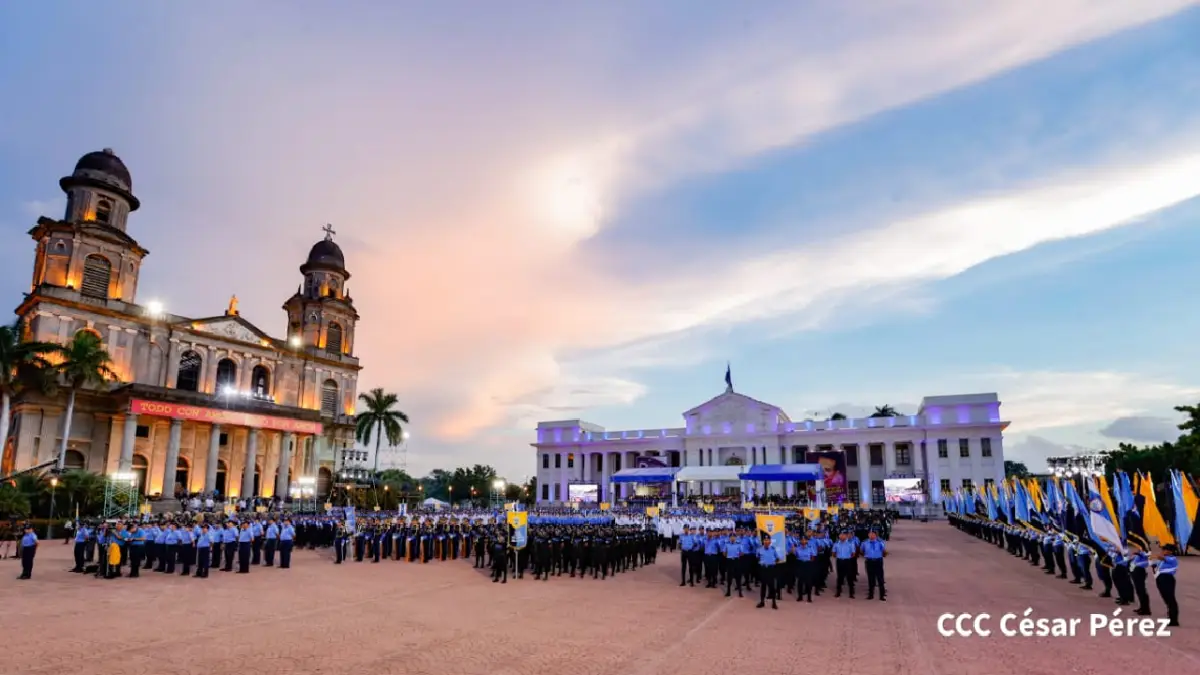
[(599, 550), (183, 545), (738, 559), (1059, 552)]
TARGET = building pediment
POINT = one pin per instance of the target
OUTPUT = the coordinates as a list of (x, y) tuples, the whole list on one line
[(230, 327), (735, 412)]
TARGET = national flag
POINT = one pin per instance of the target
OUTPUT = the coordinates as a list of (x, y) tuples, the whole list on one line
[(728, 377), (1100, 520), (1181, 493), (1152, 520)]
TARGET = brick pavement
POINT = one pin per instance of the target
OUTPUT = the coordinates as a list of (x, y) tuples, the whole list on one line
[(448, 618)]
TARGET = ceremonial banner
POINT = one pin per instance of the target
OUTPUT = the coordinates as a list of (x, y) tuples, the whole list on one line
[(350, 518), (575, 505), (662, 506), (260, 509), (812, 514), (328, 507), (848, 506), (833, 472), (144, 508), (376, 508), (709, 508), (231, 418), (773, 526), (519, 520), (833, 510), (747, 505), (652, 511), (510, 506), (604, 506), (231, 509)]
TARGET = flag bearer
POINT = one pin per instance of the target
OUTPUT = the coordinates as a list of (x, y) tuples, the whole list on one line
[(1164, 577)]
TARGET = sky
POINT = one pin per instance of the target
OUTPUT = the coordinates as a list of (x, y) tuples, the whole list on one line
[(585, 210)]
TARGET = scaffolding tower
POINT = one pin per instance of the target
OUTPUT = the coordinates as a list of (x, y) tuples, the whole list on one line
[(120, 495)]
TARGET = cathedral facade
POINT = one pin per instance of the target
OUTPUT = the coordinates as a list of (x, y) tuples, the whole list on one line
[(209, 404)]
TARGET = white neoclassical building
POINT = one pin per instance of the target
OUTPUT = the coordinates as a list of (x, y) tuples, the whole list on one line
[(952, 441)]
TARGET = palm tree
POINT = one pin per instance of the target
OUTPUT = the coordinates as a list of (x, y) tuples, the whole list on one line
[(83, 488), (22, 364), (85, 363), (13, 504), (378, 412), (884, 411)]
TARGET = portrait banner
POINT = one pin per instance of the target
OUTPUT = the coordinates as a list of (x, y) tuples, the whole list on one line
[(519, 520), (774, 527), (833, 472)]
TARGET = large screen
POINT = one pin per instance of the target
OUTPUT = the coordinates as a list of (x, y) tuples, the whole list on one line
[(583, 492), (833, 472), (903, 490)]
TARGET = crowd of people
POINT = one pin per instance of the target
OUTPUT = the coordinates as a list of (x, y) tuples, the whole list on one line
[(1060, 553)]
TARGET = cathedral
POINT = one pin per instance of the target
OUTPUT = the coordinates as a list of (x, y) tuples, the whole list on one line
[(210, 404)]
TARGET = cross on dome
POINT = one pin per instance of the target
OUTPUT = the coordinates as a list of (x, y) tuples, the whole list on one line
[(329, 232)]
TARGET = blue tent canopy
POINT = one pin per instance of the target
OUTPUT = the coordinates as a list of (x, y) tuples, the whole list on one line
[(784, 472), (653, 474)]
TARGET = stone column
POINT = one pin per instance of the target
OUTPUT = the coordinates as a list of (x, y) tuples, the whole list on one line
[(251, 460), (172, 364), (934, 477), (285, 465), (564, 477), (171, 463), (864, 477), (125, 465), (210, 465)]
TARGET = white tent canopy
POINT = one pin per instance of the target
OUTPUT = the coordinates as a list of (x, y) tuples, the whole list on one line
[(434, 502), (698, 473)]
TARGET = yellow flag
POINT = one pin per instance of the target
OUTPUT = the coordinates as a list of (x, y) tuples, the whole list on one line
[(832, 510), (747, 505), (652, 511), (848, 506), (604, 506), (1106, 495), (1152, 520), (774, 526), (709, 508)]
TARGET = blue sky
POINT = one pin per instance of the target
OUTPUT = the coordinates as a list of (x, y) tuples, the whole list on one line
[(588, 211)]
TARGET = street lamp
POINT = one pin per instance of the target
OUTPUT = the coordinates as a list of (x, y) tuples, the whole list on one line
[(53, 489)]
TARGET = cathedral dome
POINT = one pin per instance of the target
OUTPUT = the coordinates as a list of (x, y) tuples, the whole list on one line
[(327, 253), (105, 163), (103, 169)]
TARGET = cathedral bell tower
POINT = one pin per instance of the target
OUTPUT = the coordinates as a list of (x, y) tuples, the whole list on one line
[(89, 252), (321, 314)]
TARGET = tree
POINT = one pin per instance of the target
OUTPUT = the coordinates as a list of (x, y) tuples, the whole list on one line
[(884, 411), (22, 364), (837, 416), (379, 413), (13, 504), (1018, 469), (531, 490), (85, 363), (83, 488)]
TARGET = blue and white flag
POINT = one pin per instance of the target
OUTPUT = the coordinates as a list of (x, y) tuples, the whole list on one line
[(1100, 524)]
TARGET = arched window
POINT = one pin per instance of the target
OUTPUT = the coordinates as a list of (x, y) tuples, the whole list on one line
[(260, 381), (329, 398), (189, 371), (74, 461), (104, 209), (140, 466), (226, 375), (333, 338), (221, 473), (97, 273)]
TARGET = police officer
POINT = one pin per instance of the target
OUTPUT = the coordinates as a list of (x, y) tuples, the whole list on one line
[(136, 540), (1164, 577), (229, 542), (256, 532), (767, 559), (186, 549), (733, 559), (271, 536), (203, 548), (499, 558), (1138, 572), (340, 542), (29, 543), (873, 551), (806, 554), (245, 542), (847, 568), (287, 538)]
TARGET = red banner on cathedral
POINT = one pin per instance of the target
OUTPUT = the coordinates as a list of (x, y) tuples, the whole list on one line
[(223, 417)]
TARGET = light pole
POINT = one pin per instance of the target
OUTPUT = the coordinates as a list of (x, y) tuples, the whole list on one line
[(50, 526), (497, 492)]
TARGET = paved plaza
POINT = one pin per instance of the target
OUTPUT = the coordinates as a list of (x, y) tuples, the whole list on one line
[(448, 618)]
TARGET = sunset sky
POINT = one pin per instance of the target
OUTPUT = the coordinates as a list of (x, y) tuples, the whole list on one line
[(585, 209)]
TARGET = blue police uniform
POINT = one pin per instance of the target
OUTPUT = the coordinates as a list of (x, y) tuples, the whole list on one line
[(229, 541), (287, 538), (806, 561), (1164, 578), (203, 549), (29, 543), (873, 551), (767, 558), (270, 542), (847, 567), (82, 535), (733, 559), (245, 542), (136, 540)]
